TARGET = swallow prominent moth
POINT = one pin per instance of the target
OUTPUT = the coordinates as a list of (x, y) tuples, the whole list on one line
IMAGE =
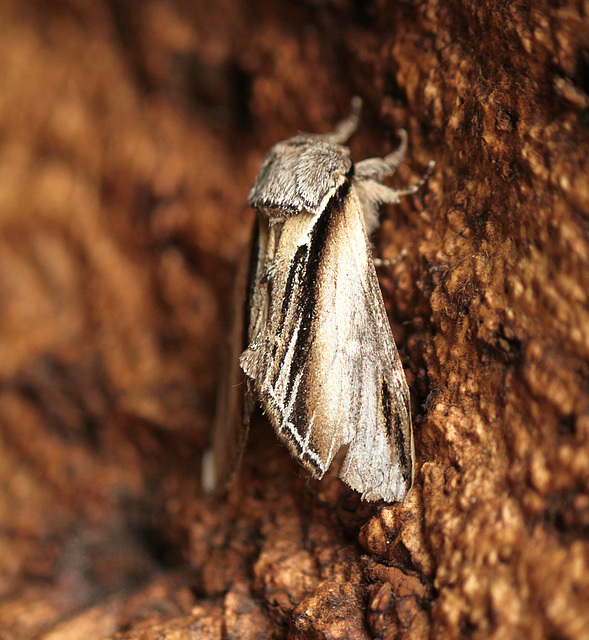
[(312, 341)]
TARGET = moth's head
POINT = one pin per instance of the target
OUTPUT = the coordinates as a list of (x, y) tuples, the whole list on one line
[(300, 174)]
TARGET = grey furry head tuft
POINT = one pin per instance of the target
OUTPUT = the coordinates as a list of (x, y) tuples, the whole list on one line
[(299, 174)]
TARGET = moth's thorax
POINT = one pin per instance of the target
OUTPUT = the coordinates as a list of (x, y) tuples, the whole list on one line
[(300, 174)]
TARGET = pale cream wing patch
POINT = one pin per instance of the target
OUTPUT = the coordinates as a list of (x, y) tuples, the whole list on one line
[(357, 385)]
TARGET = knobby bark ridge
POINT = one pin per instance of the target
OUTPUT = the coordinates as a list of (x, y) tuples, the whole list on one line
[(131, 133)]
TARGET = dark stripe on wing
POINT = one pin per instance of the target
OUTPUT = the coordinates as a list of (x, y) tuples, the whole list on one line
[(394, 421), (252, 277), (298, 266), (285, 432), (387, 407), (402, 445), (290, 290), (309, 282), (299, 307), (399, 437)]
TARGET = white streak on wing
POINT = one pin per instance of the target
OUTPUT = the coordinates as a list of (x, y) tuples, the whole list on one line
[(289, 426), (304, 444), (327, 197), (293, 395), (285, 367), (308, 436), (277, 394)]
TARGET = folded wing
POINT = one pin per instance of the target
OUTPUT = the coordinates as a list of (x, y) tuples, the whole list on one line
[(324, 362)]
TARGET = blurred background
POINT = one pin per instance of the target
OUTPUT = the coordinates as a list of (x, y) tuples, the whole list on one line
[(130, 134)]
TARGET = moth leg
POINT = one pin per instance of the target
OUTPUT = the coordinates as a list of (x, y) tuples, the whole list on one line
[(389, 262), (348, 126), (379, 168), (373, 193), (384, 195)]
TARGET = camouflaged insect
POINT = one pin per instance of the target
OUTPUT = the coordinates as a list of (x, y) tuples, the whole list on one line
[(312, 337)]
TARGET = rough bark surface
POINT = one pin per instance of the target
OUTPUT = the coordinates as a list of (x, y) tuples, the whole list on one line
[(130, 134)]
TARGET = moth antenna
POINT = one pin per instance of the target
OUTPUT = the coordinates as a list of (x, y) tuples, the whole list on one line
[(346, 128)]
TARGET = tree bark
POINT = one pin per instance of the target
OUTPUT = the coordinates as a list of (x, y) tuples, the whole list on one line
[(131, 133)]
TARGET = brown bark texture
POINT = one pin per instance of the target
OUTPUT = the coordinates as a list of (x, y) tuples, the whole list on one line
[(130, 133)]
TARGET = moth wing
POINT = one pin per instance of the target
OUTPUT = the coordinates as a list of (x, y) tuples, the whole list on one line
[(325, 365), (235, 402), (360, 387)]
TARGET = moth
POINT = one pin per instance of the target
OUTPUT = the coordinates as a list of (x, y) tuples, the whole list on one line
[(312, 342)]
